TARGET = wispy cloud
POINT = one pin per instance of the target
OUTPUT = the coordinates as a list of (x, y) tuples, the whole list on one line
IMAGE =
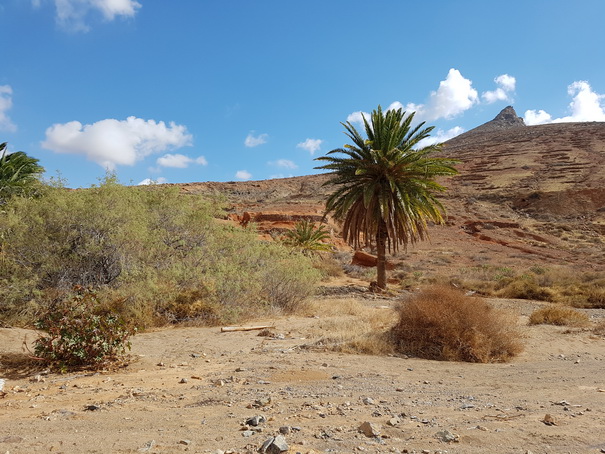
[(311, 145), (111, 142), (586, 105), (179, 161), (254, 141), (243, 175), (72, 15), (6, 103), (506, 87), (284, 164)]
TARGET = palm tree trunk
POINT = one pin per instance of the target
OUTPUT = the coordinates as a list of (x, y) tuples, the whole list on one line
[(381, 252)]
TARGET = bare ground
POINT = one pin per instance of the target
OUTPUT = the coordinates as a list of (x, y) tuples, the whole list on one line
[(192, 389)]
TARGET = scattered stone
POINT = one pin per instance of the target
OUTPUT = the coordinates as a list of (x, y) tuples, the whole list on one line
[(369, 429), (148, 446), (92, 408), (185, 442), (394, 421), (183, 380), (256, 420), (248, 433), (446, 436), (240, 369), (368, 401), (549, 420), (285, 430), (274, 445), (37, 379), (262, 402), (11, 439)]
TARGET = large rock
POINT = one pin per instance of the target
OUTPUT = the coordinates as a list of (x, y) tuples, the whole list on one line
[(361, 258)]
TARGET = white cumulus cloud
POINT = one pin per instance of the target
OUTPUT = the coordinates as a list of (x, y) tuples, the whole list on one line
[(311, 145), (254, 141), (536, 117), (112, 142), (179, 161), (149, 181), (586, 105), (243, 175), (454, 96), (441, 136), (284, 164), (506, 86), (6, 103), (72, 14)]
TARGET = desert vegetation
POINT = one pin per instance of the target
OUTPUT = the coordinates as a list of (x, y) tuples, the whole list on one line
[(384, 185), (151, 254), (444, 324), (556, 284)]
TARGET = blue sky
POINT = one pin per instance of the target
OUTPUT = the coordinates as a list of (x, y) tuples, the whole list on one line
[(199, 90)]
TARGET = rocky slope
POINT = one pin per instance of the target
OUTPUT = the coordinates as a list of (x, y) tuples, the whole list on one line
[(525, 195)]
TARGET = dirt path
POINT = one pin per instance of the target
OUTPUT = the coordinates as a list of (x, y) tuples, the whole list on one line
[(192, 389)]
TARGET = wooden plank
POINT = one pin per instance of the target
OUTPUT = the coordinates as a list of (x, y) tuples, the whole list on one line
[(229, 329)]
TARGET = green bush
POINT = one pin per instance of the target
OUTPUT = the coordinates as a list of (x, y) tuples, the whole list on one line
[(80, 332), (148, 247)]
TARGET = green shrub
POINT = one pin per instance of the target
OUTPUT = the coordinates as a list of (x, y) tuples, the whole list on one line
[(80, 332), (308, 238), (148, 247), (442, 323)]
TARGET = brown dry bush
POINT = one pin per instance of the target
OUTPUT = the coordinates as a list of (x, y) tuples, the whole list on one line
[(557, 315), (599, 329), (444, 324)]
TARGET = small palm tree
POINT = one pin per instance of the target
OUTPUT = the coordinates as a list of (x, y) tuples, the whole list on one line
[(18, 173), (385, 185), (307, 238)]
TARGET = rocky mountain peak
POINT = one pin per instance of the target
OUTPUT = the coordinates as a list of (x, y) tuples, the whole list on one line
[(508, 118)]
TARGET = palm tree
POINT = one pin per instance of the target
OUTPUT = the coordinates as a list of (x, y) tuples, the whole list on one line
[(307, 238), (385, 184), (18, 173)]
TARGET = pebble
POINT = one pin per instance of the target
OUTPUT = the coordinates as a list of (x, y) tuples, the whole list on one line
[(368, 401), (185, 442), (447, 436), (394, 421), (549, 420), (256, 420), (183, 380), (274, 445), (369, 429)]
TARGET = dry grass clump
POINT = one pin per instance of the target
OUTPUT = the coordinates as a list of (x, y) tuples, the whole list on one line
[(442, 323), (559, 316), (599, 329), (350, 326)]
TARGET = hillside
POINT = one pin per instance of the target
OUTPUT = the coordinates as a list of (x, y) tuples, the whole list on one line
[(526, 195)]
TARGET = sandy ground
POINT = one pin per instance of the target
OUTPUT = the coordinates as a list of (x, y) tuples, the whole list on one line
[(192, 390)]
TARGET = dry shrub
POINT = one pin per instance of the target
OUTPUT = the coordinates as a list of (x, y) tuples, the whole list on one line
[(599, 329), (350, 326), (526, 289), (328, 266), (442, 323), (557, 315)]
